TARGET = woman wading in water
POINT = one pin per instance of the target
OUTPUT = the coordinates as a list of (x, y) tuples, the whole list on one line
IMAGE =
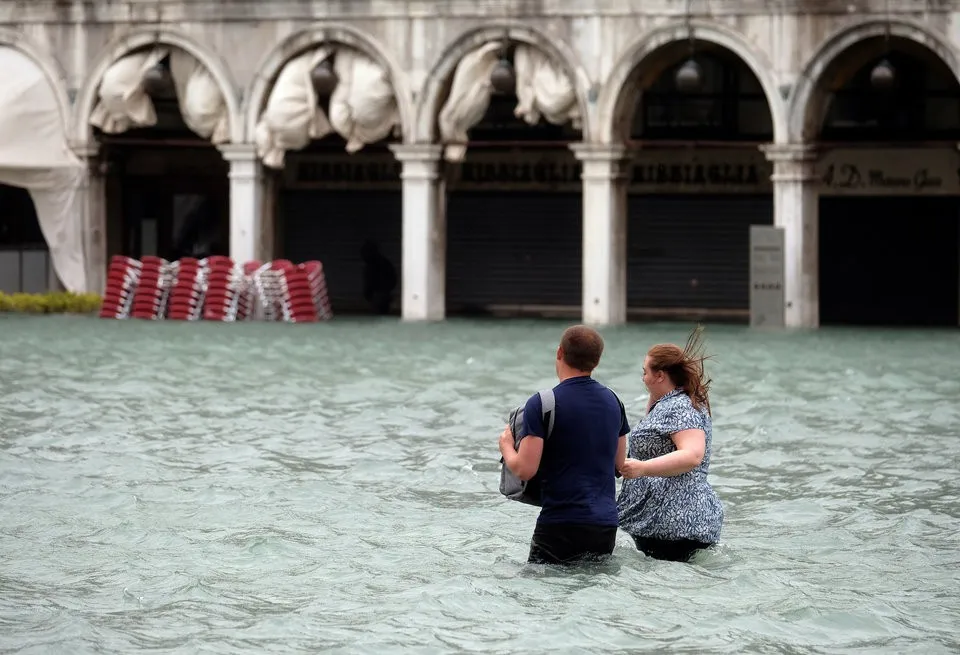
[(666, 503)]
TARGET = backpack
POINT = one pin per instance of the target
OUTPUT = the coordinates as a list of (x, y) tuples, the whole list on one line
[(510, 485)]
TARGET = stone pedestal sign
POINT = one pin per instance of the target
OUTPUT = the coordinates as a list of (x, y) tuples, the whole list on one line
[(766, 276)]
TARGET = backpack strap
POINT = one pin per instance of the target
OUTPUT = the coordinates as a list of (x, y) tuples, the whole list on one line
[(548, 404)]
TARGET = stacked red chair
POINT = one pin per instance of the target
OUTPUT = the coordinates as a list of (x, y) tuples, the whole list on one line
[(268, 291), (247, 293), (123, 276), (148, 300), (220, 298), (318, 289), (296, 297), (187, 293), (216, 289)]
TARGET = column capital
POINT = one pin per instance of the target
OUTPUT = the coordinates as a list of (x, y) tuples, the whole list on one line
[(89, 154), (416, 152), (792, 162), (86, 149), (599, 152), (238, 151), (791, 152), (604, 163), (421, 161)]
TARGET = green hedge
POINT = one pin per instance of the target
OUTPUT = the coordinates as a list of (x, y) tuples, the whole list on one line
[(56, 302)]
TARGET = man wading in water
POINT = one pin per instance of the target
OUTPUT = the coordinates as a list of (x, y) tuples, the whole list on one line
[(578, 463)]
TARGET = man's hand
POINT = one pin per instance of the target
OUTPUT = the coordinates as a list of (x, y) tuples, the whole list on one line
[(524, 461), (632, 468), (506, 441)]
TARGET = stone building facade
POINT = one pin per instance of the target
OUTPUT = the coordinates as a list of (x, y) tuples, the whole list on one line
[(518, 156)]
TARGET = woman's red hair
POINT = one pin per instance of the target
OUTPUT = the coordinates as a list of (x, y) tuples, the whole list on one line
[(684, 367)]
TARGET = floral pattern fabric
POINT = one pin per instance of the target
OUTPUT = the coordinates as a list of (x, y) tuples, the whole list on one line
[(676, 507)]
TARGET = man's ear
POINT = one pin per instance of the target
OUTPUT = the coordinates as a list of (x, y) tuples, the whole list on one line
[(559, 354)]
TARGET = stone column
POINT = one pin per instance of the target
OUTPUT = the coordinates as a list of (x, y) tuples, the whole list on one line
[(423, 292), (246, 202), (94, 190), (604, 233), (796, 209)]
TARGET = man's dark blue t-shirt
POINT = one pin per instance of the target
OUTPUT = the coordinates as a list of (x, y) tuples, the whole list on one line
[(577, 470)]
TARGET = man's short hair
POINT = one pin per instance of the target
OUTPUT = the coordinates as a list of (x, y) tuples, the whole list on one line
[(582, 347)]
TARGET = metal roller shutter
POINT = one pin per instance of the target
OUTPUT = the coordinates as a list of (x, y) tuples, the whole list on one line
[(692, 252), (331, 226), (513, 249), (890, 261)]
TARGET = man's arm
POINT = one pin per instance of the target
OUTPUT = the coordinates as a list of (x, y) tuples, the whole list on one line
[(622, 441), (525, 461), (621, 452)]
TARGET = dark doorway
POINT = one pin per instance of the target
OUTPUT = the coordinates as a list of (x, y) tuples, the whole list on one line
[(890, 261), (24, 256)]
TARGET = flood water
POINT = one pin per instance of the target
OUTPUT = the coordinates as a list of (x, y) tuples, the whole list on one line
[(275, 488)]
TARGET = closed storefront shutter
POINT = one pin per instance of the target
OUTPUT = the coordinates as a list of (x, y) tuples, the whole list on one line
[(692, 252), (331, 226), (513, 251), (889, 260)]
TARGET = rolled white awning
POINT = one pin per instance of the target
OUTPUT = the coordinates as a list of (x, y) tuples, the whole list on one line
[(201, 101), (543, 89), (292, 117), (363, 107), (468, 100), (34, 155), (122, 103)]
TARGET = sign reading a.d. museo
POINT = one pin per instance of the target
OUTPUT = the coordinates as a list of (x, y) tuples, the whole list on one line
[(903, 172)]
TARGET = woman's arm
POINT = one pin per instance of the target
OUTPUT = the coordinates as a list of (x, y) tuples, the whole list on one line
[(690, 444)]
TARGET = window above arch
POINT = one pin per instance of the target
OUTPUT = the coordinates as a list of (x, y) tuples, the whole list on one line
[(921, 104), (729, 104)]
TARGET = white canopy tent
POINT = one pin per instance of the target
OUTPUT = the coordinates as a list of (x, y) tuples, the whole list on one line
[(34, 155)]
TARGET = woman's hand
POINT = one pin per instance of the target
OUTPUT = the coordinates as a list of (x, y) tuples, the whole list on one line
[(632, 468)]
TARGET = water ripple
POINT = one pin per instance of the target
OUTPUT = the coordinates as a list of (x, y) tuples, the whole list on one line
[(277, 488)]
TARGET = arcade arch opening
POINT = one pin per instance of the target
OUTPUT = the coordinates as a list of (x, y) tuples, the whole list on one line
[(889, 210), (693, 115), (323, 135), (513, 189), (158, 116), (40, 182)]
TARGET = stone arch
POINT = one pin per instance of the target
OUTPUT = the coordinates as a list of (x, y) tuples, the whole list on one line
[(614, 93), (51, 68), (430, 101), (142, 37), (300, 41), (804, 99)]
